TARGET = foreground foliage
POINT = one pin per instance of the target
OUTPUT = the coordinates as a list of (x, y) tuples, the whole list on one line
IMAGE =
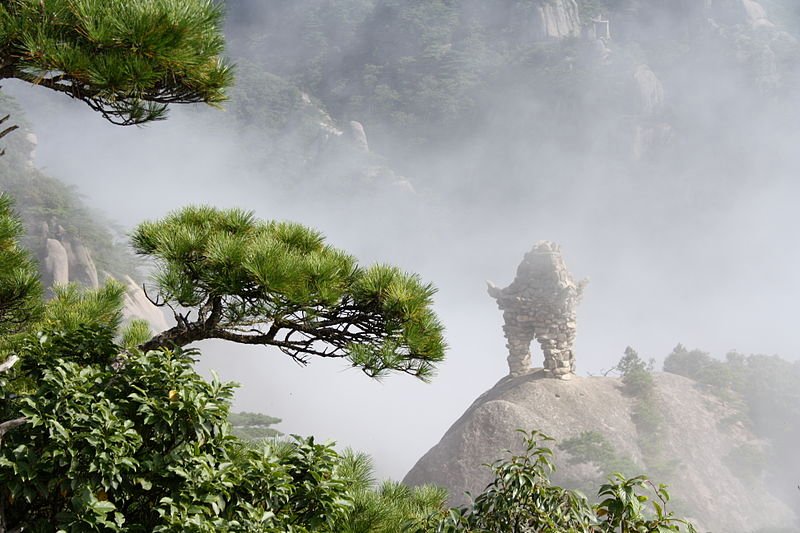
[(99, 435), (521, 499), (119, 440)]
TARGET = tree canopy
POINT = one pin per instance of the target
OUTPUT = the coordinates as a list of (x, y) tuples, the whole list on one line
[(127, 59), (280, 284)]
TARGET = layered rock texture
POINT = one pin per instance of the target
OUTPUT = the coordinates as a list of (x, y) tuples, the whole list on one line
[(137, 305), (559, 19), (705, 478), (66, 259), (540, 304)]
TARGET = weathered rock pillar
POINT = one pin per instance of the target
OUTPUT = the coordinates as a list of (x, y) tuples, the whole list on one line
[(540, 304)]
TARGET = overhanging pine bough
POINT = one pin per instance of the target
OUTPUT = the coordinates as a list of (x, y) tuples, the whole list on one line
[(126, 59), (229, 276)]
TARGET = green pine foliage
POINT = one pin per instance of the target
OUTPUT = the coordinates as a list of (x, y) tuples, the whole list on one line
[(387, 507), (20, 290), (280, 284), (126, 59)]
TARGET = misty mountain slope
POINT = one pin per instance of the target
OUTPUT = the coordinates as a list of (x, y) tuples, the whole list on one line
[(72, 242), (290, 142), (706, 474), (535, 82)]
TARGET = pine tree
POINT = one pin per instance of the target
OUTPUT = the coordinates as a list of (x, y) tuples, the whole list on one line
[(20, 289), (127, 59), (279, 284)]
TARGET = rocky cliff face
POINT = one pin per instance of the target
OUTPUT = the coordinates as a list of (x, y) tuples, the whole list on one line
[(559, 19), (66, 259), (704, 481), (71, 243)]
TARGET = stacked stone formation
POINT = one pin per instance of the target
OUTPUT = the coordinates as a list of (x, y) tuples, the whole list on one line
[(66, 259), (540, 304)]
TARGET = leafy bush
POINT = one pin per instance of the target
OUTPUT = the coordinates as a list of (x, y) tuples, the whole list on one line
[(521, 499), (120, 440)]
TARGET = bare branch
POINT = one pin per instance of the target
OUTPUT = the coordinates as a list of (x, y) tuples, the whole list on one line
[(8, 425), (8, 363), (154, 302), (8, 130)]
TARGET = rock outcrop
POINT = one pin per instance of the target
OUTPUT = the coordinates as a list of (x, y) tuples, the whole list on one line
[(56, 263), (651, 92), (358, 136), (33, 142), (704, 484), (756, 14), (66, 259), (559, 19), (137, 305), (651, 132), (81, 264)]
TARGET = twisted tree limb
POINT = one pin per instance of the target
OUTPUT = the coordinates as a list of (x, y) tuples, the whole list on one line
[(8, 363), (8, 425)]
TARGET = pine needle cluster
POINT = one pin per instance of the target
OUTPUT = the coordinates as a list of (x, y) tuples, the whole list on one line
[(280, 284), (20, 290), (126, 59)]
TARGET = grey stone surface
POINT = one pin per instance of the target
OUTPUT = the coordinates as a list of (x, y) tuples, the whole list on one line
[(694, 436), (559, 18), (359, 136), (136, 305), (540, 304), (82, 268), (56, 262), (651, 91), (756, 14)]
